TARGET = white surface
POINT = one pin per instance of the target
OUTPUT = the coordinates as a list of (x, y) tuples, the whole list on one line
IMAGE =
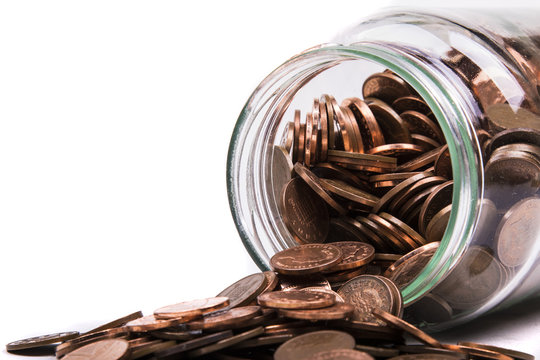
[(115, 119)]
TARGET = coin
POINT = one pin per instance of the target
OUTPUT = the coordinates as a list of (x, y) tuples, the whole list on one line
[(437, 225), (385, 86), (192, 308), (369, 235), (349, 192), (399, 150), (396, 322), (516, 235), (388, 237), (338, 310), (420, 162), (296, 142), (342, 230), (419, 123), (150, 348), (377, 351), (308, 139), (271, 280), (333, 171), (225, 343), (42, 340), (440, 198), (304, 213), (410, 102), (281, 170), (431, 308), (509, 352), (288, 283), (109, 349), (367, 292), (344, 128), (307, 345), (513, 136), (350, 121), (393, 127), (342, 354), (355, 254), (324, 290), (118, 322), (296, 299), (370, 131), (288, 137), (338, 278), (301, 144), (443, 163), (325, 101), (223, 319), (306, 259), (480, 353), (84, 339), (425, 142), (400, 200), (150, 322), (245, 290), (404, 228), (324, 138), (390, 195)]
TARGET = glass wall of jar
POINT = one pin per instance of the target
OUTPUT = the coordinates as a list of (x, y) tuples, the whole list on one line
[(448, 102)]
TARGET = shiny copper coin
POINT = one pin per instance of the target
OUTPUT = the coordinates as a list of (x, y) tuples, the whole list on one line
[(263, 341), (296, 299), (338, 278), (385, 86), (271, 280), (437, 225), (404, 228), (358, 143), (315, 140), (396, 322), (223, 319), (339, 310), (304, 212), (84, 339), (306, 259), (245, 290), (323, 121), (319, 289), (308, 139), (392, 176), (42, 340), (396, 191), (290, 282), (419, 123), (370, 131), (476, 353), (296, 142), (150, 348), (413, 205), (400, 200), (425, 142), (443, 163), (307, 345), (149, 323), (410, 102), (369, 235), (367, 292), (349, 192), (508, 352), (192, 308), (404, 240), (397, 309), (421, 352), (420, 162), (301, 143), (391, 241), (110, 349), (355, 254), (410, 265), (342, 354), (330, 116), (333, 171), (118, 322), (361, 158), (398, 150), (393, 127), (440, 198), (344, 127)]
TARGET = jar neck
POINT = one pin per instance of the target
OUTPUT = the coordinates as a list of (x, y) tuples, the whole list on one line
[(442, 90)]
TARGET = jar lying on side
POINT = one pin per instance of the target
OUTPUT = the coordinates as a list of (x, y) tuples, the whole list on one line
[(412, 131)]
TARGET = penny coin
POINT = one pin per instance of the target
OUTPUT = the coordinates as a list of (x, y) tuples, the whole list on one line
[(150, 348), (396, 191), (338, 278), (333, 171), (305, 214), (508, 352), (296, 299), (225, 343), (307, 345), (315, 184), (42, 340), (301, 143), (308, 139), (339, 310), (410, 265), (437, 225), (404, 228), (429, 356), (245, 290), (443, 163), (281, 170), (342, 230), (150, 322), (84, 339), (515, 236), (392, 176), (370, 131), (370, 236), (478, 353), (324, 290), (271, 280), (342, 354), (355, 254), (404, 241), (439, 199), (323, 121), (399, 150), (393, 127), (513, 136), (344, 128), (358, 144), (399, 201), (296, 141), (385, 86), (410, 102), (431, 308), (182, 335), (365, 293), (413, 205), (349, 192), (388, 237), (118, 322), (421, 161), (425, 142), (325, 101), (288, 282), (192, 308), (397, 309), (306, 259), (223, 319), (288, 137), (315, 140), (396, 322), (109, 349), (419, 123)]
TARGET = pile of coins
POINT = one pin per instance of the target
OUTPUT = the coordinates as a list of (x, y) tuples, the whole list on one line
[(290, 313), (375, 170)]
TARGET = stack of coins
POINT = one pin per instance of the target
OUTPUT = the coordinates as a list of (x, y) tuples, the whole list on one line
[(285, 314)]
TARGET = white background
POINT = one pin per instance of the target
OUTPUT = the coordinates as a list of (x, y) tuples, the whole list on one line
[(115, 119)]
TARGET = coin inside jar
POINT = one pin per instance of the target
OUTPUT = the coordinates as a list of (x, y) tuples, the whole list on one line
[(296, 299), (306, 259)]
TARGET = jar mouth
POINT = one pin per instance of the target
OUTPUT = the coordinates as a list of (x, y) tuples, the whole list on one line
[(262, 235)]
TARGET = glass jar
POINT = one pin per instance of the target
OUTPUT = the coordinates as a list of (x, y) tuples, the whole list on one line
[(479, 74)]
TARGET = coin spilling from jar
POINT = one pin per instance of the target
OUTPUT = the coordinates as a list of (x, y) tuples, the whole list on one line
[(321, 301)]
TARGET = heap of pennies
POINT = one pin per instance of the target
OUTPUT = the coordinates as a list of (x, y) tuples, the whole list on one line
[(367, 200)]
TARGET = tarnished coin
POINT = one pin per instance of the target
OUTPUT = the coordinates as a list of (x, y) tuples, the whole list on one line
[(109, 349), (437, 225), (439, 199), (296, 299), (419, 123), (307, 345), (118, 322), (149, 323), (386, 86), (339, 310), (517, 232), (393, 127), (396, 322), (365, 293), (244, 290), (192, 308), (342, 354), (306, 259), (42, 340), (349, 192), (355, 254), (223, 319), (281, 170), (409, 266), (304, 213)]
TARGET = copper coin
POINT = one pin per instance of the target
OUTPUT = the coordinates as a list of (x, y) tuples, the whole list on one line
[(419, 123), (306, 259), (367, 292), (410, 102), (301, 143), (333, 171), (223, 319), (84, 339), (304, 212), (425, 142), (478, 353), (149, 323), (262, 341), (368, 235), (349, 192), (443, 163), (338, 278), (399, 201), (281, 170), (109, 349), (398, 150), (225, 343), (296, 299), (355, 254), (339, 310), (396, 322), (350, 121), (427, 353), (440, 198), (324, 290), (393, 127), (431, 308), (307, 345), (396, 191), (290, 282), (343, 230), (182, 335), (323, 121), (342, 354), (404, 228), (410, 265), (413, 205), (192, 308), (118, 322), (315, 184), (271, 280), (370, 131), (344, 127), (308, 139), (515, 236), (245, 290), (389, 237), (296, 141), (513, 136), (397, 309), (288, 137), (392, 176), (385, 86), (362, 158), (420, 162), (437, 225), (150, 348), (508, 352), (325, 101), (42, 340)]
